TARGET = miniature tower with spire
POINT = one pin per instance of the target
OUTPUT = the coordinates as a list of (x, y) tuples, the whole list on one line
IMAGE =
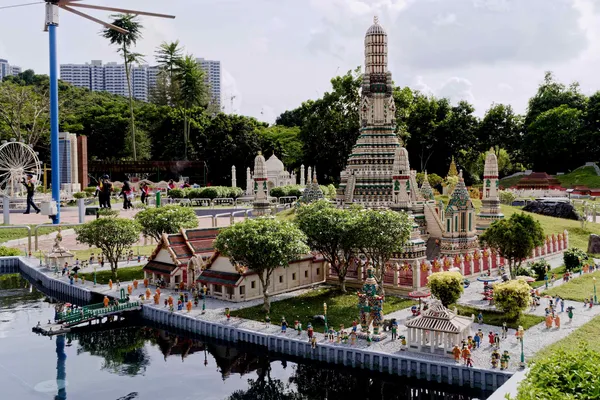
[(233, 178), (367, 179), (261, 191), (401, 180), (490, 201), (302, 179), (426, 189), (249, 183)]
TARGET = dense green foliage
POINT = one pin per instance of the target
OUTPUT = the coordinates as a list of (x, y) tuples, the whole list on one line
[(209, 192), (262, 245), (446, 286), (8, 251), (512, 297), (574, 259), (167, 219), (514, 238), (539, 268), (111, 235)]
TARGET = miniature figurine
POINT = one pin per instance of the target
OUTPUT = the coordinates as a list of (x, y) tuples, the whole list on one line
[(83, 279), (394, 329), (352, 338), (296, 325), (146, 282), (369, 339), (476, 340), (557, 321), (504, 360), (403, 342), (570, 313), (491, 338), (497, 340), (504, 330), (299, 328), (166, 303), (135, 284), (549, 320), (470, 342), (331, 334), (585, 302), (338, 337), (179, 305), (469, 362), (105, 301), (283, 325), (129, 289), (313, 342), (495, 358), (456, 353), (520, 333), (309, 331), (189, 306), (345, 337), (466, 353), (156, 298), (354, 326), (185, 297), (227, 313), (480, 317), (148, 294)]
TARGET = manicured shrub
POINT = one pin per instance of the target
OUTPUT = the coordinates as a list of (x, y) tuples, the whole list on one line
[(209, 193), (507, 197), (278, 192), (9, 251), (568, 375), (90, 190), (446, 286), (176, 193), (574, 259), (512, 297), (80, 195), (539, 268)]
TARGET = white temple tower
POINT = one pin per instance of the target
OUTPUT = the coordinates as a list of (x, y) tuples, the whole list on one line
[(233, 178), (261, 191), (302, 179), (401, 180), (426, 189), (249, 183), (490, 201), (367, 178), (459, 234)]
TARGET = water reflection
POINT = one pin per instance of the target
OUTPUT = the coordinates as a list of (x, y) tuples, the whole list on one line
[(105, 362)]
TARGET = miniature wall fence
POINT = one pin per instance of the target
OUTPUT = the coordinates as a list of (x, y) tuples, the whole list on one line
[(403, 365), (410, 273)]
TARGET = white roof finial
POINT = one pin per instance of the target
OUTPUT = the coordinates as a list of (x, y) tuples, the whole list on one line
[(376, 20)]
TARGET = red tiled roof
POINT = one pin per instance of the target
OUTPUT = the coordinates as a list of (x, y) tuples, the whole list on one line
[(160, 267), (219, 278), (202, 245), (194, 234)]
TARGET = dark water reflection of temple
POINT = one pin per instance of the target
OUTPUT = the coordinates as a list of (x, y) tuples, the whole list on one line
[(125, 349)]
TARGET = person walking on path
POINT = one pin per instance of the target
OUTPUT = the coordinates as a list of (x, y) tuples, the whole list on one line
[(144, 192), (106, 188), (30, 186), (127, 194)]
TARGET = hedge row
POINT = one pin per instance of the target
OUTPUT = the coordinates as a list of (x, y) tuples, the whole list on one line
[(210, 192)]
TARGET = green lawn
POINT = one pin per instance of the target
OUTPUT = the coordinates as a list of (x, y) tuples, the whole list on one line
[(585, 176), (341, 308), (286, 215), (577, 289), (559, 271), (85, 254), (125, 274), (7, 234), (586, 335), (496, 318)]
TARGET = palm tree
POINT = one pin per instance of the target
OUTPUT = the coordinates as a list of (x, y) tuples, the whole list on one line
[(125, 41), (192, 91), (169, 56)]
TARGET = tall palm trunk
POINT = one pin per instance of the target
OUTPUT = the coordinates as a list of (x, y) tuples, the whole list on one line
[(130, 103)]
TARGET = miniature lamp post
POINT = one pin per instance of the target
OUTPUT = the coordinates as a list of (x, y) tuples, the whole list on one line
[(95, 276), (522, 351), (203, 299), (325, 315), (595, 298)]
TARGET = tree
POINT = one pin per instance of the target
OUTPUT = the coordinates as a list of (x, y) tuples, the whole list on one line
[(167, 219), (192, 91), (381, 233), (330, 231), (512, 297), (447, 286), (24, 112), (262, 245), (169, 56), (111, 235), (514, 238), (283, 141), (574, 259), (125, 41)]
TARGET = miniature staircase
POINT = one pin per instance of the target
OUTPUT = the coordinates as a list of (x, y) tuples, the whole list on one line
[(350, 189), (434, 224)]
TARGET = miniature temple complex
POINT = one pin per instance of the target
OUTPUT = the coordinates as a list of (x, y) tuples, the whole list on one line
[(261, 204), (490, 200), (437, 330), (313, 191), (275, 174)]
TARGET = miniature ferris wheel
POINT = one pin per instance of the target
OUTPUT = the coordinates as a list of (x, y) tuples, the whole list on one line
[(17, 160)]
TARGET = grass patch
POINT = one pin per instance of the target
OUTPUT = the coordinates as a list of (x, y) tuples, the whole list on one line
[(286, 215), (84, 255), (7, 234), (577, 289), (578, 237), (585, 176), (586, 335), (124, 274), (496, 318), (341, 308)]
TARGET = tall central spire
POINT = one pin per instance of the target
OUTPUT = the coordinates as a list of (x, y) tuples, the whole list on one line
[(368, 175)]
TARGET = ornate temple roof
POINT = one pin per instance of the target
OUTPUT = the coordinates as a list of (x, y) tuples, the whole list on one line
[(401, 163), (460, 198), (440, 319), (490, 169), (274, 164), (426, 189), (376, 29)]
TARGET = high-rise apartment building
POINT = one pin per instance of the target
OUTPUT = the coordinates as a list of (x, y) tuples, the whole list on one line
[(212, 70), (7, 70), (111, 77)]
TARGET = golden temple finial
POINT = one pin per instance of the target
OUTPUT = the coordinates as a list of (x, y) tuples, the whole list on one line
[(376, 20)]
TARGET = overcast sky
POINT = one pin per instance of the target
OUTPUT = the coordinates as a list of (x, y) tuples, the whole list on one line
[(277, 53)]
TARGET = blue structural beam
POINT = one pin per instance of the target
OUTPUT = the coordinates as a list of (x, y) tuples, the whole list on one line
[(54, 156)]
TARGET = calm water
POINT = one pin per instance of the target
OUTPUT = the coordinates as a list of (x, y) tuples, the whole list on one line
[(142, 362)]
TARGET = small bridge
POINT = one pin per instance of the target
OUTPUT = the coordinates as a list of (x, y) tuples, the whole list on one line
[(67, 319)]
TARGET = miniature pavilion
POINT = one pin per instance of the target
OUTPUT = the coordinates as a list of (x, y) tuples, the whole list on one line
[(490, 199), (261, 204), (437, 330)]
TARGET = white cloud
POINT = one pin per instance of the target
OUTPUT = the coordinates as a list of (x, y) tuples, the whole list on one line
[(456, 89), (231, 98)]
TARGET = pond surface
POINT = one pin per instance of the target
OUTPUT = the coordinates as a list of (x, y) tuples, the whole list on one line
[(134, 361)]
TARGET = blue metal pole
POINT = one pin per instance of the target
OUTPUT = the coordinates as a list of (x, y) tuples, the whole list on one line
[(54, 156)]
